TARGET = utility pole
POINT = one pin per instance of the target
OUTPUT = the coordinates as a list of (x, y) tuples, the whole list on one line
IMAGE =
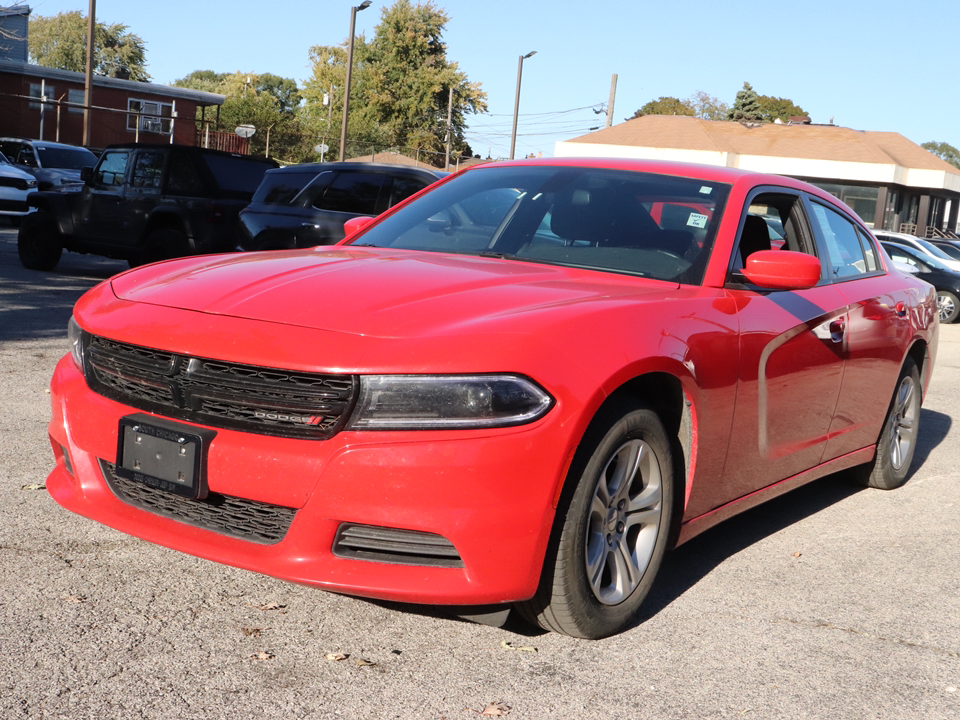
[(446, 164), (88, 90), (613, 99)]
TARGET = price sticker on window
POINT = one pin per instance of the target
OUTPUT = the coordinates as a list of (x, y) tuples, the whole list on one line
[(697, 220)]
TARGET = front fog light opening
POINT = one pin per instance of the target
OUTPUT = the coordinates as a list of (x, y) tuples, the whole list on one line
[(75, 338), (409, 402), (68, 463)]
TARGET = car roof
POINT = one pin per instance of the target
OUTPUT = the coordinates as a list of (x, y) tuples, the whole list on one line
[(40, 143), (359, 165)]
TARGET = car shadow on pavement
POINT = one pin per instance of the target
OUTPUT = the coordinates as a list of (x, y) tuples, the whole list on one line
[(685, 566), (37, 305), (690, 563)]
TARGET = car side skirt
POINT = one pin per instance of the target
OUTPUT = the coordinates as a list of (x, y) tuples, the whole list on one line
[(693, 527)]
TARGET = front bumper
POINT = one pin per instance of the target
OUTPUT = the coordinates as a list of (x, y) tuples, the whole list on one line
[(489, 493)]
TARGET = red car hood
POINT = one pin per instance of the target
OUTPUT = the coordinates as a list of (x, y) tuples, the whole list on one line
[(370, 291)]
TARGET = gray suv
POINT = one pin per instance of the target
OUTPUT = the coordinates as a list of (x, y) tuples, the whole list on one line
[(51, 163)]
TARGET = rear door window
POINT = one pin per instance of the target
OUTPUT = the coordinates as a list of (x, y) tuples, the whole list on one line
[(352, 192)]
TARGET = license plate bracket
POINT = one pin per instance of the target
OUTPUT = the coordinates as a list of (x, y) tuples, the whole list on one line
[(164, 455)]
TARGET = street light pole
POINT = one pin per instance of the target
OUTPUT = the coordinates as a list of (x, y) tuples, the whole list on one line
[(346, 91), (516, 104)]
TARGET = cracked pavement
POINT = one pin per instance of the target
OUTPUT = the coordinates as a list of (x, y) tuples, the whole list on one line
[(829, 602)]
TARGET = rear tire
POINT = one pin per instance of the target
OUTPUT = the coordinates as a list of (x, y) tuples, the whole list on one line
[(613, 534), (38, 242), (898, 440)]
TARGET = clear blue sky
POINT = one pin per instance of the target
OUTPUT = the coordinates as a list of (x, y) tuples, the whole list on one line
[(868, 64)]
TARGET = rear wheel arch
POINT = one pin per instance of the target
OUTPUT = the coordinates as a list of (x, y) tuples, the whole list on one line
[(163, 221), (919, 352)]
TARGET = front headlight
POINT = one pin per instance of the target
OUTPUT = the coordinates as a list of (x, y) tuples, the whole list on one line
[(75, 338), (419, 402)]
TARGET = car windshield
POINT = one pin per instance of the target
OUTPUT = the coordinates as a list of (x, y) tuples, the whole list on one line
[(893, 249), (952, 250), (658, 226), (66, 158), (934, 250)]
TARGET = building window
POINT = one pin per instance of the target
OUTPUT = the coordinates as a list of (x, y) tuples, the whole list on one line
[(75, 98), (863, 200), (154, 117), (35, 92)]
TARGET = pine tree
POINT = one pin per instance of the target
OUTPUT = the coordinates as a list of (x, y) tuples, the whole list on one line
[(746, 106)]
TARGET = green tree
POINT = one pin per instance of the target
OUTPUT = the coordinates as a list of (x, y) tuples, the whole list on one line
[(268, 102), (707, 107), (401, 84), (776, 108), (60, 41), (746, 106), (943, 150), (665, 106)]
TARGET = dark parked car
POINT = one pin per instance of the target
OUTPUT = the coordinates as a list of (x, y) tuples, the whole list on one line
[(950, 247), (143, 203), (306, 205), (51, 163), (945, 280)]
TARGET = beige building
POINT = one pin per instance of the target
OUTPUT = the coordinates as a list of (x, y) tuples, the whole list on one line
[(891, 182)]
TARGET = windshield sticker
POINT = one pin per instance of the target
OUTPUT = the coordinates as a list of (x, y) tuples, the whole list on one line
[(697, 220), (706, 190)]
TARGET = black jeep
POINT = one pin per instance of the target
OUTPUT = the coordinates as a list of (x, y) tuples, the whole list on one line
[(143, 203)]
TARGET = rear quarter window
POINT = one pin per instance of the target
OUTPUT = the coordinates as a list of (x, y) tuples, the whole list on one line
[(280, 188), (236, 174)]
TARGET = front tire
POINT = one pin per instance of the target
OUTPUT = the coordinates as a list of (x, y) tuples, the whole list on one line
[(38, 242), (614, 531), (948, 305), (898, 440)]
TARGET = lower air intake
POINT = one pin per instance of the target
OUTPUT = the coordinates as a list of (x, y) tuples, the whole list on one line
[(390, 545), (238, 517)]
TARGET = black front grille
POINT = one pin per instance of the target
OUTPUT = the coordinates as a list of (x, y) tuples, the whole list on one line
[(219, 394), (18, 183), (245, 519), (393, 545)]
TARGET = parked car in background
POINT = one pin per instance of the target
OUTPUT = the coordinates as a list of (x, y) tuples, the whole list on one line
[(950, 247), (305, 205), (143, 203), (921, 245), (944, 279), (15, 185), (51, 163), (519, 388)]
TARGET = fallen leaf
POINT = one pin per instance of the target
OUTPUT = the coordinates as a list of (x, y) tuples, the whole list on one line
[(262, 655), (76, 598), (497, 709), (797, 554), (34, 486), (251, 632), (336, 657), (272, 606), (364, 663), (521, 648)]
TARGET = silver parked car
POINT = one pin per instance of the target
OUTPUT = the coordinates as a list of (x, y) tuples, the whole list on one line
[(15, 185)]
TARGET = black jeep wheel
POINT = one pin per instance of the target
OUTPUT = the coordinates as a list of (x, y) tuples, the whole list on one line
[(38, 242)]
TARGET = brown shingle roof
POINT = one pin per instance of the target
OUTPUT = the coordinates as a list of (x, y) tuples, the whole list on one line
[(819, 142)]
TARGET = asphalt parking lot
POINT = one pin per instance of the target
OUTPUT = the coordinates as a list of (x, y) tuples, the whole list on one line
[(831, 602)]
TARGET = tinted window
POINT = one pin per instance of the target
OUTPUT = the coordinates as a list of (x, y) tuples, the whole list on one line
[(404, 188), (68, 158), (147, 170), (112, 168), (352, 192), (279, 188), (236, 173), (182, 178)]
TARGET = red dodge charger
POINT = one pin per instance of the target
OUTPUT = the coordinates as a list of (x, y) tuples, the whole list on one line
[(519, 388)]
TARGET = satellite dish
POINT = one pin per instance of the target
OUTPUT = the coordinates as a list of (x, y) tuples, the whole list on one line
[(321, 148), (245, 131)]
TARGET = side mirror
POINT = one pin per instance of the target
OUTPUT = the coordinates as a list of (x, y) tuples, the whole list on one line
[(782, 270), (355, 225), (86, 173)]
